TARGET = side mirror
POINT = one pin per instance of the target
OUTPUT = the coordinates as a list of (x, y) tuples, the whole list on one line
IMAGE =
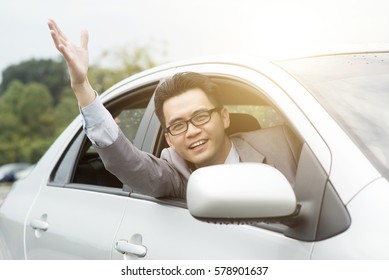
[(244, 191)]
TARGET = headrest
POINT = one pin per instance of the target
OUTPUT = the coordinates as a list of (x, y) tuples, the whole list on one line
[(240, 122)]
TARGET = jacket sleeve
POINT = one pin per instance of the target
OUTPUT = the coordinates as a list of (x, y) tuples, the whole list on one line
[(143, 172)]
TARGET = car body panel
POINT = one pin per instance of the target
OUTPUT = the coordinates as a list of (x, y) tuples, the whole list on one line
[(172, 233), (80, 221), (72, 233), (14, 211), (367, 237)]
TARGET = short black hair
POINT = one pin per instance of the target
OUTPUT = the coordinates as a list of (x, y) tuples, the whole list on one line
[(180, 83)]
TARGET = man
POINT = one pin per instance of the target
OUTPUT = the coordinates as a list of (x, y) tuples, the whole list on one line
[(194, 121)]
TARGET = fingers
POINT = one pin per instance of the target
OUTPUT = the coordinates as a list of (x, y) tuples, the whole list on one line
[(54, 28), (60, 38), (55, 39), (84, 39)]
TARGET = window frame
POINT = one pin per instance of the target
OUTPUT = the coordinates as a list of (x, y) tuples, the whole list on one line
[(79, 145)]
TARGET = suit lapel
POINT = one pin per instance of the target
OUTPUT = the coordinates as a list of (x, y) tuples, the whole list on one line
[(247, 153)]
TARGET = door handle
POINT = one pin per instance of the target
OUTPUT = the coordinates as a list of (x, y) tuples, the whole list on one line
[(39, 224), (124, 247)]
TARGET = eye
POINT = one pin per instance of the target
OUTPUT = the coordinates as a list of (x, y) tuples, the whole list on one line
[(201, 118), (178, 126)]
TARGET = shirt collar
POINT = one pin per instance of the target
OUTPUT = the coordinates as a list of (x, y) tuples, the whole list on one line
[(233, 156)]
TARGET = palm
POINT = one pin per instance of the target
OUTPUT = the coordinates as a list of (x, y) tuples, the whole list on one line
[(76, 56), (77, 60)]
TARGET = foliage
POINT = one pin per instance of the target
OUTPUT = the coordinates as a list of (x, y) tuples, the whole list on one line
[(37, 103), (48, 72), (26, 122), (103, 78)]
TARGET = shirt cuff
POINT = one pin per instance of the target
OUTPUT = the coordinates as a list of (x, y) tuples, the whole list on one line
[(98, 124)]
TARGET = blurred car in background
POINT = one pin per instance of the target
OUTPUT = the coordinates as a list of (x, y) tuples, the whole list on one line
[(71, 207), (8, 171), (21, 174)]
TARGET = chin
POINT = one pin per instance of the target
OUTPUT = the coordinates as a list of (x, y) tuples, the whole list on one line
[(205, 158), (203, 163)]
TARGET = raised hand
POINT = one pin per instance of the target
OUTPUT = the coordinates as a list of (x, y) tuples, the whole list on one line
[(77, 60)]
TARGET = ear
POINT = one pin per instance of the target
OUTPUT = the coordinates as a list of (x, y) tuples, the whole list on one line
[(167, 138), (225, 117)]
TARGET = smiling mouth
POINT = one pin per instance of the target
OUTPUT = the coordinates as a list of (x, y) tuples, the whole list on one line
[(197, 144)]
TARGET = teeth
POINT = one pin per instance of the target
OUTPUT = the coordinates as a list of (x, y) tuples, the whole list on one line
[(196, 144)]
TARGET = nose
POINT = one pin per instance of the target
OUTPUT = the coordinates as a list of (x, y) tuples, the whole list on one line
[(192, 130)]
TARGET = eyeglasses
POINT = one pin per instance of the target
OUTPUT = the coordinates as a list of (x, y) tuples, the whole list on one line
[(197, 120)]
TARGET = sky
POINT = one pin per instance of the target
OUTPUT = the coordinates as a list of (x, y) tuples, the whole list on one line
[(179, 29)]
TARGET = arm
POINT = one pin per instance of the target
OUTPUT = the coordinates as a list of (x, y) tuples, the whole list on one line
[(98, 123), (143, 172)]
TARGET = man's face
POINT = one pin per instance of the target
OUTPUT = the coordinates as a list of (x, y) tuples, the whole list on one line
[(206, 144)]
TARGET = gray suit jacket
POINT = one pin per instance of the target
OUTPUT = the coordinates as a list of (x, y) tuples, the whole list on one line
[(167, 176)]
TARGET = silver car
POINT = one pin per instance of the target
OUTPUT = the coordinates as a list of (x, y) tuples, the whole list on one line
[(70, 207)]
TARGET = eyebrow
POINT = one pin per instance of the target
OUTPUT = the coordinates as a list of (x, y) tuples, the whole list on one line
[(179, 119)]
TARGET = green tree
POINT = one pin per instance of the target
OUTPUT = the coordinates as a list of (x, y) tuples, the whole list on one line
[(119, 65), (8, 123), (48, 72), (26, 123), (66, 110), (37, 103)]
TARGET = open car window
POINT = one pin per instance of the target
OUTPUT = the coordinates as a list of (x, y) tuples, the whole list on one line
[(81, 166), (248, 107)]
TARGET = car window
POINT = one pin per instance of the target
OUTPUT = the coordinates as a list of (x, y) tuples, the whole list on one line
[(129, 121), (248, 107), (80, 163), (62, 173), (353, 88), (266, 115)]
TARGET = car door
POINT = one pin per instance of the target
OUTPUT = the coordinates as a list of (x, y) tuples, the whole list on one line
[(78, 211), (164, 229)]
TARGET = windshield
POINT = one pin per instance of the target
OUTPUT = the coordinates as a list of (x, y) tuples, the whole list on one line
[(354, 89)]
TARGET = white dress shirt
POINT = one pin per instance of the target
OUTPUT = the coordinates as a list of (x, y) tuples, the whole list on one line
[(98, 123)]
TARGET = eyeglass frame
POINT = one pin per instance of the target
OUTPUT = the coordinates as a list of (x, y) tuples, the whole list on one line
[(209, 112)]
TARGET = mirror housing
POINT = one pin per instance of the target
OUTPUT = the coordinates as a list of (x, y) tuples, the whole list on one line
[(239, 192)]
